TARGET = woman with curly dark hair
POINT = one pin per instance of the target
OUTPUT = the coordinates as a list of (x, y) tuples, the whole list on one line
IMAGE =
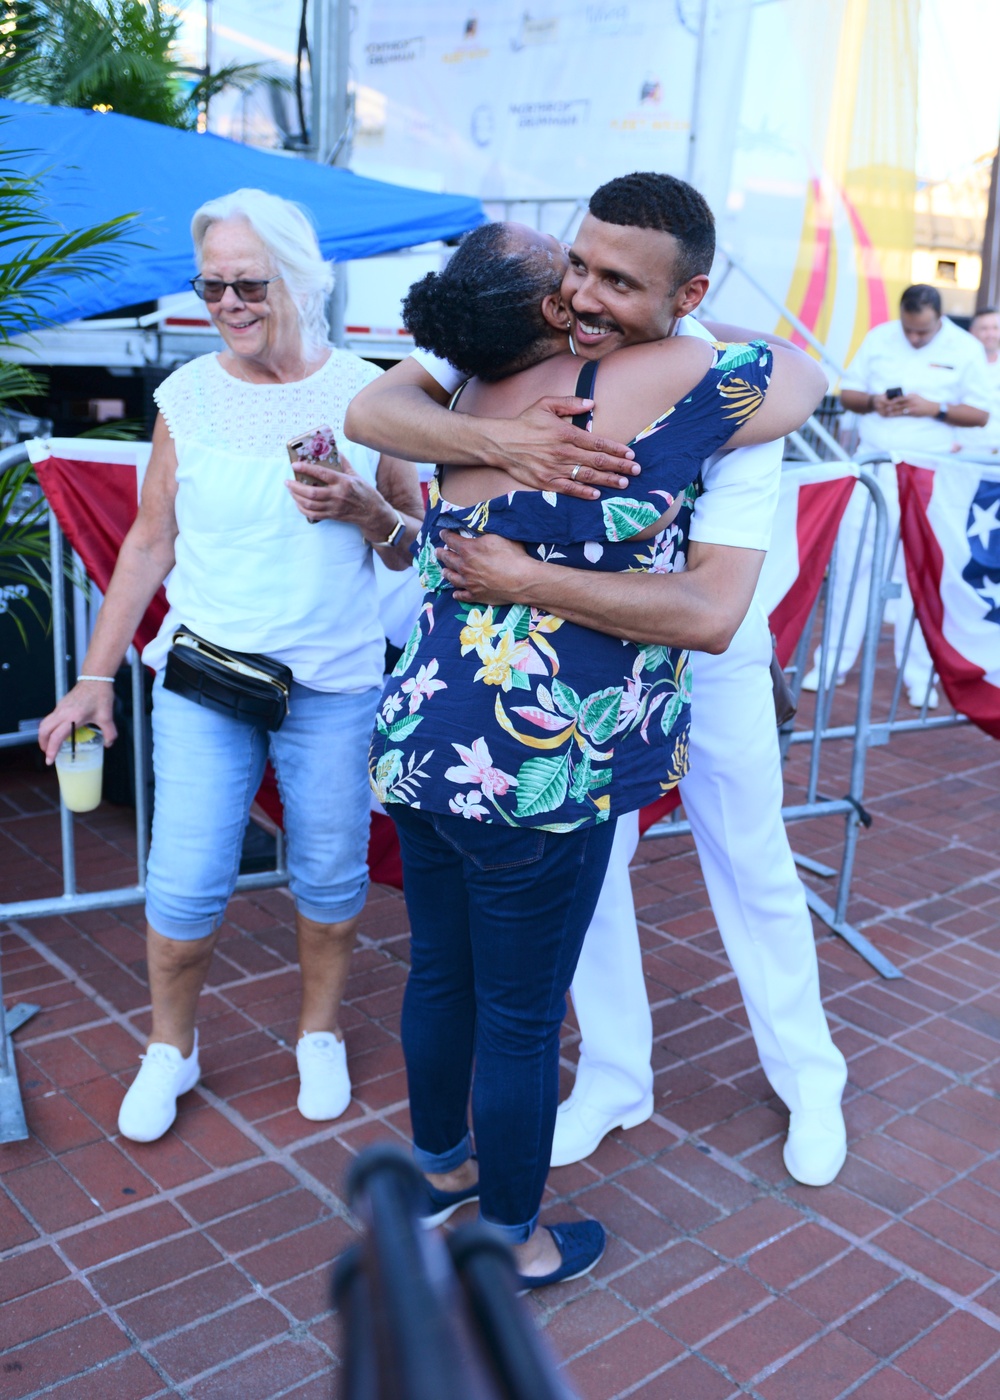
[(509, 740), (486, 312)]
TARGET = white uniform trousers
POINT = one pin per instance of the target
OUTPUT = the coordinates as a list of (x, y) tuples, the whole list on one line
[(918, 665), (733, 797)]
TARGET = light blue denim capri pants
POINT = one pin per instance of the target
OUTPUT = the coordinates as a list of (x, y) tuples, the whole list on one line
[(208, 768)]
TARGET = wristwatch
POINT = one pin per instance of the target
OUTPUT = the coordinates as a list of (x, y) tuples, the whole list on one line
[(393, 534), (942, 413)]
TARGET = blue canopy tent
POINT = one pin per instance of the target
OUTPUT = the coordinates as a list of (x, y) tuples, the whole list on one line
[(98, 165)]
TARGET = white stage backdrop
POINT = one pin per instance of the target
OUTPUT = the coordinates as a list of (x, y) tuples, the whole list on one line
[(804, 119), (495, 101)]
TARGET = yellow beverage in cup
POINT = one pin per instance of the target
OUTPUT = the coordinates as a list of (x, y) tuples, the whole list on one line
[(80, 769)]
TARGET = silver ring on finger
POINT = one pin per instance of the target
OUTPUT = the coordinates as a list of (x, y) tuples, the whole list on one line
[(574, 472)]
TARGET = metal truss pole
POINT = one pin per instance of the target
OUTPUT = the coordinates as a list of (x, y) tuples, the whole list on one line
[(332, 115)]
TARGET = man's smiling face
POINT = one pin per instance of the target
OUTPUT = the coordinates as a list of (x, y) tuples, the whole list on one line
[(621, 286)]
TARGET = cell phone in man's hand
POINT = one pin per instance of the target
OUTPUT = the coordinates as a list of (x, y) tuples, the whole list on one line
[(318, 445), (894, 393)]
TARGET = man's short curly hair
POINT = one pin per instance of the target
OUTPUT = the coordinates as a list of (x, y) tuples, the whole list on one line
[(648, 199), (482, 312)]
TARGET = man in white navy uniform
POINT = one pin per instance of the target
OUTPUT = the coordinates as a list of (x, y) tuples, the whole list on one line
[(912, 383), (621, 291), (985, 442)]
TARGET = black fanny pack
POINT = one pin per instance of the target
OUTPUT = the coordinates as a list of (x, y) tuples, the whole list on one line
[(243, 684)]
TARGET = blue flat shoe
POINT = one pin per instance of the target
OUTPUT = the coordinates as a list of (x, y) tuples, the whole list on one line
[(581, 1244), (440, 1205)]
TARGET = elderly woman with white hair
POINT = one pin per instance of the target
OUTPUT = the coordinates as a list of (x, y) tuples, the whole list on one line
[(262, 566)]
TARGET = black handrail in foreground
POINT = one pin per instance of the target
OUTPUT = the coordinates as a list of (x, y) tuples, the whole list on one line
[(422, 1321), (517, 1353)]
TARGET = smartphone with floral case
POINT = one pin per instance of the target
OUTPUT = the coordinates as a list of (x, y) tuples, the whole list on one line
[(318, 445)]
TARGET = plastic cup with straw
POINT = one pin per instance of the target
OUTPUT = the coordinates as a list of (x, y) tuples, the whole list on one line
[(80, 768)]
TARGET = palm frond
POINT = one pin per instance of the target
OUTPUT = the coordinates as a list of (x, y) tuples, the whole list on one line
[(24, 545), (117, 53), (37, 255), (24, 537), (241, 76), (18, 382), (120, 429)]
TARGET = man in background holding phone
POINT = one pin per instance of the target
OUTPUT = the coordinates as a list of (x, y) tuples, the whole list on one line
[(912, 383)]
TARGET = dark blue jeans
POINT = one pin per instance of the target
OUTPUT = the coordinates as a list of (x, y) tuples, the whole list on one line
[(498, 915)]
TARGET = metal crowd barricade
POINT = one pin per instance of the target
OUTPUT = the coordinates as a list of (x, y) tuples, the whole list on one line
[(883, 728), (72, 900), (823, 731)]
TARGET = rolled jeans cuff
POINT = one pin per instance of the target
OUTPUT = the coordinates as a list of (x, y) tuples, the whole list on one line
[(513, 1234), (437, 1163), (181, 930), (335, 913)]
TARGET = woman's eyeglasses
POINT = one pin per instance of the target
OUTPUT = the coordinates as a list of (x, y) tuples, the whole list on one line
[(251, 291)]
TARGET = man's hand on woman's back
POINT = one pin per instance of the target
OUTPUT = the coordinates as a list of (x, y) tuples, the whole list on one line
[(404, 412), (542, 447)]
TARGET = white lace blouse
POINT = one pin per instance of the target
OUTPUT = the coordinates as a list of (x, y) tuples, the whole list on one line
[(251, 573)]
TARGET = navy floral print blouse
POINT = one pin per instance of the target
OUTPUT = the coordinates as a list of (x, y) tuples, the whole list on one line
[(509, 714)]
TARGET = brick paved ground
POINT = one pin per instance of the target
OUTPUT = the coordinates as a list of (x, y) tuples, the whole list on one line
[(199, 1265)]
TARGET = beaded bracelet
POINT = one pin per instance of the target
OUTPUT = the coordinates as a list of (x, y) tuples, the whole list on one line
[(110, 679)]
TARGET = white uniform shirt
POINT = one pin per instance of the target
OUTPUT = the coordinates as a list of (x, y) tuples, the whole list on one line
[(949, 369), (985, 442), (740, 497)]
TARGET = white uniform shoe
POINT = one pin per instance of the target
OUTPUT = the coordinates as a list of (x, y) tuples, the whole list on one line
[(150, 1106), (324, 1083), (810, 681), (915, 694), (816, 1146), (580, 1129)]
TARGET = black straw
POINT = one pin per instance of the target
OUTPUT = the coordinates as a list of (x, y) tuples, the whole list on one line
[(72, 740)]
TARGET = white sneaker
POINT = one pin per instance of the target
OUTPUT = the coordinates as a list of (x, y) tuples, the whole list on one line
[(915, 694), (150, 1106), (810, 681), (816, 1146), (325, 1085), (581, 1129)]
